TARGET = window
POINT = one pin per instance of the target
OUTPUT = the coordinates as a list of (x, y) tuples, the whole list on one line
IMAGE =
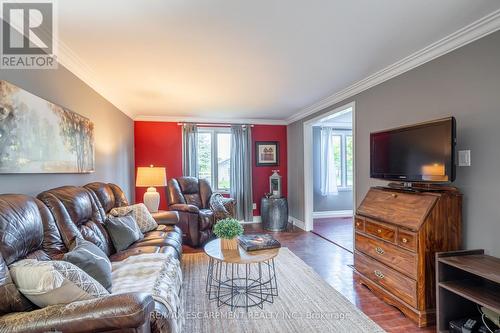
[(214, 157), (342, 155)]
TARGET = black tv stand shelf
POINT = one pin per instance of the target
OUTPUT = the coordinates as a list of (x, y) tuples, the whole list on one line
[(464, 280)]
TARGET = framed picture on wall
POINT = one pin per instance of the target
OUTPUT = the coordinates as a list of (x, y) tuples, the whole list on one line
[(267, 153), (37, 136)]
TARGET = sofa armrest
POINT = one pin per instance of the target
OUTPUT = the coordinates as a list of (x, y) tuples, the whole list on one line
[(166, 217), (122, 312), (185, 208)]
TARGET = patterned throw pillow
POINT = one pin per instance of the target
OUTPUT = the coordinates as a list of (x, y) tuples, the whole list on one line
[(141, 214), (54, 282), (92, 260), (123, 231)]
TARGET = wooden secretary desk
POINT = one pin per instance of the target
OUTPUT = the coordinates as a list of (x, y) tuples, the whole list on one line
[(397, 234)]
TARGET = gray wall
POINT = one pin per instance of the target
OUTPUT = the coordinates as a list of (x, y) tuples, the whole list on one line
[(464, 83), (341, 201), (113, 130)]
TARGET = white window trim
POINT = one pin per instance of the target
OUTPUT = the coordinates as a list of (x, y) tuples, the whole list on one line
[(215, 170), (343, 133)]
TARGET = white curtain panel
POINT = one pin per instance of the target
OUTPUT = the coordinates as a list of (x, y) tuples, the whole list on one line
[(328, 171), (190, 150), (241, 171)]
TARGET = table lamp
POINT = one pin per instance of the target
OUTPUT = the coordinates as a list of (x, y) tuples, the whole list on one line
[(150, 177)]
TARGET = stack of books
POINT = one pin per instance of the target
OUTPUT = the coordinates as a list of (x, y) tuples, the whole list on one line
[(258, 242)]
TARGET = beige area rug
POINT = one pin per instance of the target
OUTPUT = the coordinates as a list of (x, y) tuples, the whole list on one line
[(306, 303)]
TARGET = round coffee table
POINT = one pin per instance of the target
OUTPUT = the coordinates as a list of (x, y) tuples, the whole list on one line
[(240, 279)]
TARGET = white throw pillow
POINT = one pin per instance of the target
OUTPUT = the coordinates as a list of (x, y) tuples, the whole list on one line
[(54, 282), (142, 216)]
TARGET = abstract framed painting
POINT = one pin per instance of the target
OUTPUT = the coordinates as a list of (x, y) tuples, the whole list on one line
[(267, 153), (37, 136)]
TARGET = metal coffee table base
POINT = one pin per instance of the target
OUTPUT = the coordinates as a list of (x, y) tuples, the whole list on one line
[(241, 285)]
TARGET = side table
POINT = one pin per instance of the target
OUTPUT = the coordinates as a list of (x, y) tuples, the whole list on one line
[(240, 279), (274, 213)]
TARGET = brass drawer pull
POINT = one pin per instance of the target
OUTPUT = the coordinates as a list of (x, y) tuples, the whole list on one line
[(379, 231), (394, 195), (404, 240), (379, 250), (379, 274), (358, 224)]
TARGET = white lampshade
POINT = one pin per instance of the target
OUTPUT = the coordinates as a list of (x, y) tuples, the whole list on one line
[(151, 176)]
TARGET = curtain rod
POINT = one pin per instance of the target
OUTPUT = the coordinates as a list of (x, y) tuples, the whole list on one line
[(213, 125)]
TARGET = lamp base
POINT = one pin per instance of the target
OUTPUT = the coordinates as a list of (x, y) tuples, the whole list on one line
[(152, 200)]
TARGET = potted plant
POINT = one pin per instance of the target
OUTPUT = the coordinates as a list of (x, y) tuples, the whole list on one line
[(228, 230)]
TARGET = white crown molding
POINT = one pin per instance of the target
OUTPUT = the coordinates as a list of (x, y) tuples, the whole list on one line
[(72, 62), (212, 120), (474, 31)]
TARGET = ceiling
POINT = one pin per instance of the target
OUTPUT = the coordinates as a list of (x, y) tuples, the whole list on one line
[(260, 59)]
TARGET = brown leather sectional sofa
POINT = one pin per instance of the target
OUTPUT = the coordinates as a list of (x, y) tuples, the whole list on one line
[(43, 228)]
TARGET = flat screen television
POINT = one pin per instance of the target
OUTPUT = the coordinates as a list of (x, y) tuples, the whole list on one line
[(419, 153)]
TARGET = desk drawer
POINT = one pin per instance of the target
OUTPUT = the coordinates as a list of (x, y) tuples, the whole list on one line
[(388, 254), (407, 239), (380, 230), (392, 281), (359, 223)]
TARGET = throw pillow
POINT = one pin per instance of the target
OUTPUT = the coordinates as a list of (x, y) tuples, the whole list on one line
[(141, 214), (54, 282), (123, 231), (90, 258)]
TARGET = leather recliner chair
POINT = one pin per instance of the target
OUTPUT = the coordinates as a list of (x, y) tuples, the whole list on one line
[(198, 207)]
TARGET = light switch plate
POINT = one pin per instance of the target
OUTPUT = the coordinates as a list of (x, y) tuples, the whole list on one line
[(254, 206), (464, 158)]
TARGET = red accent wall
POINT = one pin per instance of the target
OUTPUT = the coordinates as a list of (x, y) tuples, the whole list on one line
[(260, 175), (160, 144)]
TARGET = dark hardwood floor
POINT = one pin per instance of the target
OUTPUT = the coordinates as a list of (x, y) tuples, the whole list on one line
[(332, 263), (338, 230)]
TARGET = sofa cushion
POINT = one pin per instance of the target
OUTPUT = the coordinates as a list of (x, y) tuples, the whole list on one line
[(77, 215), (91, 260), (122, 255), (123, 231), (108, 196), (54, 282), (28, 230), (11, 300), (141, 215)]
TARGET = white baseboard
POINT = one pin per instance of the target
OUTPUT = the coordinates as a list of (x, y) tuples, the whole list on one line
[(333, 213), (256, 219), (298, 223)]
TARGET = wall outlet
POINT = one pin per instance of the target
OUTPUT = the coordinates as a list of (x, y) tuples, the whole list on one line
[(464, 158), (254, 206)]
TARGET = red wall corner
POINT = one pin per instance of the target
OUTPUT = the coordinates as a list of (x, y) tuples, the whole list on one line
[(260, 175), (160, 144)]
